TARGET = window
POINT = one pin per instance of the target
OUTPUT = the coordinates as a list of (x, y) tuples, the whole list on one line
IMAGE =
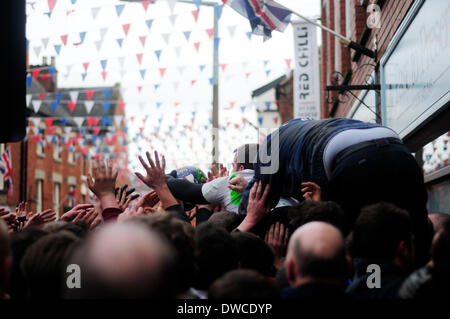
[(56, 191), (40, 149), (71, 157), (39, 189), (57, 152), (72, 195)]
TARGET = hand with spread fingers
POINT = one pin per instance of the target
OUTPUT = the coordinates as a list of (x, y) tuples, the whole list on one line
[(10, 219), (149, 200), (41, 218), (125, 196), (75, 211), (311, 191), (155, 177), (257, 207), (102, 183), (277, 238)]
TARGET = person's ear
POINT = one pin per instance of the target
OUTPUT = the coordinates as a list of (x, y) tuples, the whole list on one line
[(291, 271)]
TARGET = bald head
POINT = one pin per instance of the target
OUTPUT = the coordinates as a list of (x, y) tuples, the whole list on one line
[(315, 253), (125, 260)]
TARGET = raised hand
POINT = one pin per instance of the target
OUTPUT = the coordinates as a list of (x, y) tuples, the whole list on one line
[(131, 212), (277, 238), (257, 207), (123, 196), (155, 177), (103, 179), (41, 218), (149, 200), (311, 191), (71, 214), (9, 218)]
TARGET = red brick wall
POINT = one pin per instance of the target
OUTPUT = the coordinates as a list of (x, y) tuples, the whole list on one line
[(392, 14)]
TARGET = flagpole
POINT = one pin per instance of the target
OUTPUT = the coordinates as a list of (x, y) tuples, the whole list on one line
[(351, 44)]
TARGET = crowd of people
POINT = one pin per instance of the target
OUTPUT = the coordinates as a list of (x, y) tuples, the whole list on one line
[(295, 233)]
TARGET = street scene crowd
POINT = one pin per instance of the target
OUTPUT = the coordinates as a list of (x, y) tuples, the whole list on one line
[(347, 225)]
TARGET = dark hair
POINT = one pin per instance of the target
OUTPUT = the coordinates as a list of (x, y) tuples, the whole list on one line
[(440, 250), (20, 241), (246, 155), (309, 211), (216, 254), (79, 228), (254, 253), (181, 235), (43, 265), (243, 284), (226, 220), (329, 267), (378, 231)]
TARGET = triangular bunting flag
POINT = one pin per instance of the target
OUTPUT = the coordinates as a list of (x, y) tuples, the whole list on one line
[(107, 93), (232, 29), (173, 18), (64, 39), (103, 32), (197, 46), (95, 12), (83, 76), (187, 34), (122, 106), (54, 105), (166, 37), (120, 41), (86, 66), (158, 54), (218, 10), (49, 121), (210, 32), (78, 120), (145, 4), (202, 67), (98, 45), (195, 14), (142, 39), (89, 94), (171, 4), (36, 73), (57, 48), (29, 80), (89, 105), (51, 5), (73, 96), (139, 57), (126, 28), (37, 50), (162, 71), (142, 73), (103, 64), (45, 42), (119, 9), (198, 3), (96, 130), (288, 62), (104, 74), (36, 105), (149, 23), (72, 106), (106, 105), (28, 97)]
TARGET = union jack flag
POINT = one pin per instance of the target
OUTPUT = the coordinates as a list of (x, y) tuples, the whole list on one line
[(264, 15), (6, 170)]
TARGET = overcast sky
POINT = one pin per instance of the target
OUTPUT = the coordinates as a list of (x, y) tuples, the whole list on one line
[(249, 65)]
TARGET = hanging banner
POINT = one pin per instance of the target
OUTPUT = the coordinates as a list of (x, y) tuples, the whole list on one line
[(306, 71)]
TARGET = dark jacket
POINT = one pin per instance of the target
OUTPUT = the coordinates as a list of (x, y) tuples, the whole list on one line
[(301, 146), (392, 277), (315, 291)]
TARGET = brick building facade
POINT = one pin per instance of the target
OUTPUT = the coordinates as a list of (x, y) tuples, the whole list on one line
[(50, 166)]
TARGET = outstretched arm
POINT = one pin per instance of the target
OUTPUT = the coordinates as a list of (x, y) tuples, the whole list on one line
[(155, 179), (185, 190)]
